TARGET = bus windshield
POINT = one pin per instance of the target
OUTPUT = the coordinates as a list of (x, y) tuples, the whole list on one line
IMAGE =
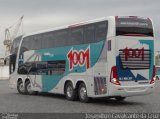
[(133, 26), (13, 54), (15, 45)]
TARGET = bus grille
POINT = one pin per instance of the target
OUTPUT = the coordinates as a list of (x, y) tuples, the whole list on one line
[(100, 85), (135, 59)]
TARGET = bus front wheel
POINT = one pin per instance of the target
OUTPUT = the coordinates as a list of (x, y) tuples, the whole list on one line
[(20, 87), (70, 92)]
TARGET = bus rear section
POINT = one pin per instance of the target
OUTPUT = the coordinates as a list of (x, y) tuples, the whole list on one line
[(134, 71)]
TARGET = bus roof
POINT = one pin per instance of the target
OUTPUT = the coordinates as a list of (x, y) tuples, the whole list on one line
[(78, 24), (69, 26)]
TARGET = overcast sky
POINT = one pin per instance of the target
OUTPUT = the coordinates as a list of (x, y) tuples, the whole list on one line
[(45, 14)]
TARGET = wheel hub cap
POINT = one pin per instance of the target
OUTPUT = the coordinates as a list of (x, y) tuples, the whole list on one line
[(69, 91), (21, 87), (83, 92)]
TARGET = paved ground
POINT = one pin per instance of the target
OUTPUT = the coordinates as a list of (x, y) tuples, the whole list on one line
[(11, 101)]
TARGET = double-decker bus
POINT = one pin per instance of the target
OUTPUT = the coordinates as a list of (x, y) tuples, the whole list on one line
[(111, 57)]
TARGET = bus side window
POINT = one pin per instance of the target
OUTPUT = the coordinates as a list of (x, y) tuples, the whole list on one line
[(55, 39), (61, 38), (56, 67), (89, 33), (101, 30), (31, 43), (48, 40), (35, 42), (76, 36)]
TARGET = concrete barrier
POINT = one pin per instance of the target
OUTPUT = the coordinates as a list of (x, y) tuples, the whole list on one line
[(4, 72)]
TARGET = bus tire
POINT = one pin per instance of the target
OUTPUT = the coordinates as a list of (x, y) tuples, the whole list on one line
[(157, 78), (70, 92), (20, 87), (82, 93), (120, 98), (28, 89)]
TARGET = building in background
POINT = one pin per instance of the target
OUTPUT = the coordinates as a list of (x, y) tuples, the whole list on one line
[(4, 69), (1, 61)]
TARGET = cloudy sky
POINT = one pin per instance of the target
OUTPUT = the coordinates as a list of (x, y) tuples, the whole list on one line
[(45, 14)]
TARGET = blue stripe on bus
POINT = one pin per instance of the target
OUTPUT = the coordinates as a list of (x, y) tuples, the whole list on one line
[(150, 43), (53, 54)]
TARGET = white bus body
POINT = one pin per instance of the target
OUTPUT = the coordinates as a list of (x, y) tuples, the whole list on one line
[(110, 57)]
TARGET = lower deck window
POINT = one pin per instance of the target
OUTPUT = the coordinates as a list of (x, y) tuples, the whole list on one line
[(43, 68)]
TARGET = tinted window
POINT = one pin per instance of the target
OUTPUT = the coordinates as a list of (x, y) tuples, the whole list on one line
[(129, 26), (42, 68), (72, 36), (15, 44), (61, 38), (55, 39), (101, 31), (25, 45), (31, 43), (48, 40), (89, 33), (35, 42), (76, 36)]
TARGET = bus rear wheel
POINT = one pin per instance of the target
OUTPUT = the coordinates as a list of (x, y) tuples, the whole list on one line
[(82, 93), (70, 92), (20, 87)]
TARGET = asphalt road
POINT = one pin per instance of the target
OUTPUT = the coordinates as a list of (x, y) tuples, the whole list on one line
[(11, 101)]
